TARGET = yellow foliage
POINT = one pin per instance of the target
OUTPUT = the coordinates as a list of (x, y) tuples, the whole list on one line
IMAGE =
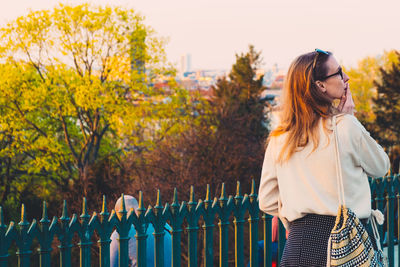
[(362, 81), (76, 85)]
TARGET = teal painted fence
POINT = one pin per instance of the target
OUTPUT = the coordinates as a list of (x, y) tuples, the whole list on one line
[(228, 209)]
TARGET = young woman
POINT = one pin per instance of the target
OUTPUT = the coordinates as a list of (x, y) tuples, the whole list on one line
[(298, 180)]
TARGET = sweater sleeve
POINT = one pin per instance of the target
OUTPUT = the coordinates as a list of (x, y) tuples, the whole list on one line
[(268, 192), (371, 156)]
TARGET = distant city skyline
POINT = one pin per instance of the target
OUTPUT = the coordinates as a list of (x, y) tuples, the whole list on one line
[(213, 31)]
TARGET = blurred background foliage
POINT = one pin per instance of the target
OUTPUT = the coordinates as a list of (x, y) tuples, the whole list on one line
[(375, 85)]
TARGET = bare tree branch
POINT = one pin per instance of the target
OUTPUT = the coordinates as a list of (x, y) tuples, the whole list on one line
[(67, 137), (28, 121)]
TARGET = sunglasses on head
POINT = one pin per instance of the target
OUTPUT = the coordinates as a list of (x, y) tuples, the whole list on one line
[(320, 51)]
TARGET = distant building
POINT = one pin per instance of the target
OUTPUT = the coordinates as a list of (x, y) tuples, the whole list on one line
[(200, 79), (185, 64), (273, 78), (278, 82)]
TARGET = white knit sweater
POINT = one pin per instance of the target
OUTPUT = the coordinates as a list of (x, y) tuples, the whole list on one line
[(307, 182)]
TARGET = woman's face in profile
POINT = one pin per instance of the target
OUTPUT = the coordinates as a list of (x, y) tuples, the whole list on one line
[(336, 83)]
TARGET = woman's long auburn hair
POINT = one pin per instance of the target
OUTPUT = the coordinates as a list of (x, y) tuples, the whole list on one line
[(303, 105)]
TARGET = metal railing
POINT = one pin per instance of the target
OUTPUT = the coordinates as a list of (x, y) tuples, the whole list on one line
[(227, 209), (224, 207), (386, 197)]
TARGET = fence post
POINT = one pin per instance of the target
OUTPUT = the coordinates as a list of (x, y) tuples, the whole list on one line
[(210, 208), (397, 189), (45, 236), (176, 215), (380, 191), (5, 239), (141, 236), (267, 225), (193, 227), (24, 239), (85, 235), (253, 220), (398, 217), (390, 218), (158, 219), (226, 205), (239, 211), (123, 227), (65, 236), (105, 225)]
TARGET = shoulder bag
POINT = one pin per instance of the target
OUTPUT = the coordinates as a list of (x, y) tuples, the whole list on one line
[(349, 243)]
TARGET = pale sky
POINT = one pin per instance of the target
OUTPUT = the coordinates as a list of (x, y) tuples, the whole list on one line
[(212, 31)]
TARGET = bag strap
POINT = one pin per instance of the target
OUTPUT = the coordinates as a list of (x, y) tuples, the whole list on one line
[(375, 232), (339, 176)]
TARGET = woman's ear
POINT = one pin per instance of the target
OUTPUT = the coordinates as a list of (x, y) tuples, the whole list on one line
[(321, 86)]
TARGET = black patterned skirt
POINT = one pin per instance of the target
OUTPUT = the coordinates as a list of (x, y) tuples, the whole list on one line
[(307, 243)]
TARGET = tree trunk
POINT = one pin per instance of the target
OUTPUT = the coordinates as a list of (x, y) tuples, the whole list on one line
[(7, 181), (83, 175)]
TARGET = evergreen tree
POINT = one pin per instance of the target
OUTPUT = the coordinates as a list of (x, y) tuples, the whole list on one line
[(387, 105), (237, 99), (224, 144)]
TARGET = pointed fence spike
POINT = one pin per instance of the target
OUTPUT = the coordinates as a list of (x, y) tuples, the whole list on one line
[(123, 203), (84, 207), (192, 199), (215, 201), (253, 187), (175, 197), (23, 221), (208, 193), (23, 215), (104, 206), (223, 192), (158, 203), (140, 200), (238, 189), (44, 216), (65, 210)]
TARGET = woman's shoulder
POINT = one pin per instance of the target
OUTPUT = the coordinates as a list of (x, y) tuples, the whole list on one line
[(349, 121), (276, 140), (348, 125)]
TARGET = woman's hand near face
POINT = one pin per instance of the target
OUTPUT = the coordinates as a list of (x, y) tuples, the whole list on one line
[(346, 103)]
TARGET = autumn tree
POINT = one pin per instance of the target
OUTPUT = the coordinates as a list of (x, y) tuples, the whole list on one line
[(76, 87)]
